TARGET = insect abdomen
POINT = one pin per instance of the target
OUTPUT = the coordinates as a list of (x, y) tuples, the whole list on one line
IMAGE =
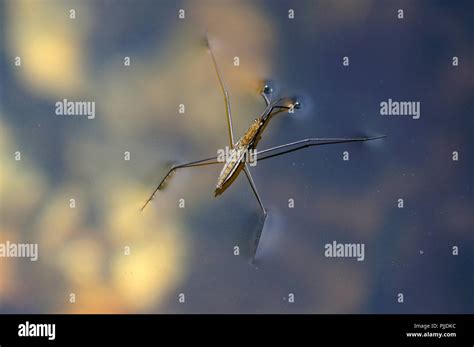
[(237, 154), (249, 135), (235, 157)]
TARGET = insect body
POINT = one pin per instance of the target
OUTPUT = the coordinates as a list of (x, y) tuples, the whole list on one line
[(236, 160), (239, 153)]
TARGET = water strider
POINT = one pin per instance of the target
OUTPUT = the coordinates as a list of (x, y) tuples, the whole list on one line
[(237, 158)]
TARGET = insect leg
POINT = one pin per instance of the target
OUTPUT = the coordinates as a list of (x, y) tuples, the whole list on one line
[(226, 96), (202, 162), (297, 145), (254, 188), (267, 90), (281, 108), (265, 98)]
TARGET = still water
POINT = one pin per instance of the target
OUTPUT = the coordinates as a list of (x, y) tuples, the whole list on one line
[(405, 201)]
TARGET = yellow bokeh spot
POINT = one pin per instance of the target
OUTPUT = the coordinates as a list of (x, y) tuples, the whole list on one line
[(148, 273), (58, 221), (50, 45), (81, 261), (52, 62)]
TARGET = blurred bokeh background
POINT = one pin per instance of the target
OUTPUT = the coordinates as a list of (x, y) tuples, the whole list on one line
[(191, 250)]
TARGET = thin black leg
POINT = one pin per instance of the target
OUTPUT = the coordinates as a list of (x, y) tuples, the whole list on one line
[(202, 162), (297, 145), (226, 96)]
